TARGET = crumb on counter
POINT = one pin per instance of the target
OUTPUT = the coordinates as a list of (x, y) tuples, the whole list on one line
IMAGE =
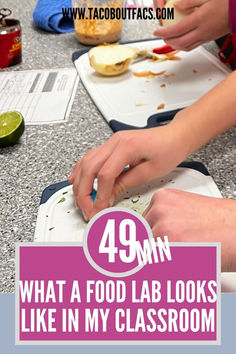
[(161, 106)]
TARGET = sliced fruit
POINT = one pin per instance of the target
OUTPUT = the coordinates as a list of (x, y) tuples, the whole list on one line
[(11, 128), (111, 60)]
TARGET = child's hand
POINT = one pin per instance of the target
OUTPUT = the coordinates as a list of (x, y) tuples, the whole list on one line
[(150, 153), (208, 22), (188, 217)]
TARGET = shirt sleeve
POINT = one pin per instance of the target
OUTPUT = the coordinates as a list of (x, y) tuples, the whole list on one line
[(232, 16)]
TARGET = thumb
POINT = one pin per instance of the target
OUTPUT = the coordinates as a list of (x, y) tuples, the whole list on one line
[(71, 178)]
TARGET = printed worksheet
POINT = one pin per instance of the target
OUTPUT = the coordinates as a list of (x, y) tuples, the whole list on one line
[(41, 96)]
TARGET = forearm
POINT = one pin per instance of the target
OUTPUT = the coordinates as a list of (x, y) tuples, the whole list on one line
[(210, 116)]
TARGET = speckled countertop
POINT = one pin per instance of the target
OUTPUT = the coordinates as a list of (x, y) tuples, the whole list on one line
[(47, 153)]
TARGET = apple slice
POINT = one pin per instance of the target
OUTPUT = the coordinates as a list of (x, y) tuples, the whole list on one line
[(113, 59)]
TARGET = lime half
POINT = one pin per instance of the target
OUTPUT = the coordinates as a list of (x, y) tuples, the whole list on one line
[(11, 128)]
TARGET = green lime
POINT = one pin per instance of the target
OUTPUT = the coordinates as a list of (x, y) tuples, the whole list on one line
[(11, 128)]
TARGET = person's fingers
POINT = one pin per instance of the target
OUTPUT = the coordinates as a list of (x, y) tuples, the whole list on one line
[(134, 176), (83, 184), (194, 45), (84, 163), (159, 3), (187, 25), (155, 197), (186, 41), (190, 46), (189, 4), (77, 167), (157, 206), (121, 156), (149, 218), (146, 211), (92, 162), (76, 187), (156, 223), (158, 232), (83, 197), (71, 178)]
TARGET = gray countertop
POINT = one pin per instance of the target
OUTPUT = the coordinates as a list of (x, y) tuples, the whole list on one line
[(47, 153)]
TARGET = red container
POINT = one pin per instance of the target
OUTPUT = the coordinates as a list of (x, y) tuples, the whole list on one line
[(10, 43)]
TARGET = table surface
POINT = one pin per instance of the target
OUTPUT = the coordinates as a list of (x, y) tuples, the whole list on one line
[(46, 154)]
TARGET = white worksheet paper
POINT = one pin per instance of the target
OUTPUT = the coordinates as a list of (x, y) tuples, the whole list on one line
[(41, 96)]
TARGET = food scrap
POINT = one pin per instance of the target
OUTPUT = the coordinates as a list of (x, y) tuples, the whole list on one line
[(163, 50), (155, 58), (148, 74), (172, 56), (161, 106), (195, 71), (64, 193), (159, 58), (166, 51), (61, 200), (140, 104), (135, 200), (169, 75), (163, 85), (51, 228)]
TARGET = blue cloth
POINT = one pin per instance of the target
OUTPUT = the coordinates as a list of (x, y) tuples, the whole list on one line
[(48, 16)]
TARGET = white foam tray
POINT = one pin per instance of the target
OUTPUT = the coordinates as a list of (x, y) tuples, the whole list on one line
[(132, 100)]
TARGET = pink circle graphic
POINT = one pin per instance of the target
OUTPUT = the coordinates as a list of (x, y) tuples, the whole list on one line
[(110, 240)]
